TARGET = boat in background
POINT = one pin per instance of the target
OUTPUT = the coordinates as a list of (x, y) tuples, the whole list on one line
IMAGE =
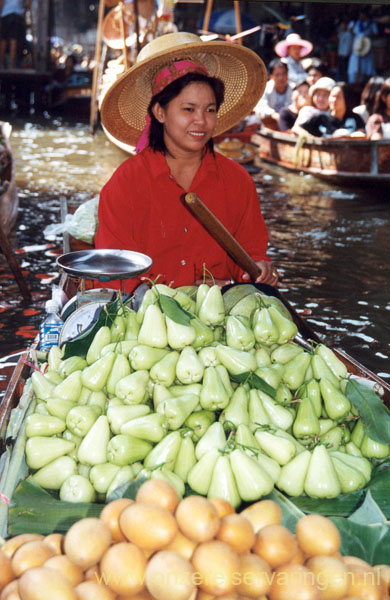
[(343, 160), (9, 201)]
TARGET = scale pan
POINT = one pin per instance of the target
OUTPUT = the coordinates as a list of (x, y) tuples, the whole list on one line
[(105, 264)]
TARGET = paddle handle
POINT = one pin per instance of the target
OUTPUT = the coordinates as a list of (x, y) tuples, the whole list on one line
[(219, 232)]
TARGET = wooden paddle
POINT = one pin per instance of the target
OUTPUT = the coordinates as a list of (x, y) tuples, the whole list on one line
[(225, 239)]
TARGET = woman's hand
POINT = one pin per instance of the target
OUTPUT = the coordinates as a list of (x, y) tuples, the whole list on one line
[(268, 273)]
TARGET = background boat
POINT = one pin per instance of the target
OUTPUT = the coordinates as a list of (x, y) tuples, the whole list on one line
[(345, 160), (9, 203)]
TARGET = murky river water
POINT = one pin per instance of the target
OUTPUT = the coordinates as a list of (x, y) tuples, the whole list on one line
[(331, 245)]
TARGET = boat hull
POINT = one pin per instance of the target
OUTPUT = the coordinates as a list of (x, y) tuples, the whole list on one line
[(349, 161), (9, 202)]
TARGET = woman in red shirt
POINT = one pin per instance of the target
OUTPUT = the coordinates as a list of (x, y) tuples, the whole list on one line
[(173, 86)]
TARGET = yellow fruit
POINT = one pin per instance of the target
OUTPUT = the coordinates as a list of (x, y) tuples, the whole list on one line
[(354, 560), (255, 576), (293, 582), (363, 583), (122, 568), (330, 575), (169, 576), (144, 595), (11, 591), (11, 545), (276, 545), (62, 564), (262, 513), (92, 574), (110, 517), (92, 590), (30, 554), (384, 576), (223, 507), (197, 518), (182, 545), (317, 535), (236, 531), (55, 541), (217, 566), (148, 526), (41, 583), (6, 571), (160, 492), (86, 541)]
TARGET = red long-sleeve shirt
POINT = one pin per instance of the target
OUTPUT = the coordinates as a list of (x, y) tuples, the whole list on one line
[(141, 209)]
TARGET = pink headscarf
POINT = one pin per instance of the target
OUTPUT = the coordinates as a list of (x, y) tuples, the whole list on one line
[(163, 78)]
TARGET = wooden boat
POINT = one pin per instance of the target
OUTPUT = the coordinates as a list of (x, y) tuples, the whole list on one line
[(344, 160), (9, 202)]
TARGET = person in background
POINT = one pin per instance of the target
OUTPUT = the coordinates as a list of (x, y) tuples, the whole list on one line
[(315, 69), (319, 103), (382, 102), (368, 97), (291, 50), (276, 96), (344, 46), (178, 95), (12, 30), (361, 60), (299, 99), (342, 121)]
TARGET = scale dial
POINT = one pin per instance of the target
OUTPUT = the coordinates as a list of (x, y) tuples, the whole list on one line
[(80, 320)]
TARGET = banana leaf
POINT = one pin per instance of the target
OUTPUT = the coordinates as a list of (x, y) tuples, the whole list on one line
[(255, 382), (375, 415), (33, 510), (172, 309)]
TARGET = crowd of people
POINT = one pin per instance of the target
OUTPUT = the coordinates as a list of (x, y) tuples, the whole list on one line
[(302, 99)]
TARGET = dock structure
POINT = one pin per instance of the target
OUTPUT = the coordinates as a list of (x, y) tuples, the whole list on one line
[(27, 86)]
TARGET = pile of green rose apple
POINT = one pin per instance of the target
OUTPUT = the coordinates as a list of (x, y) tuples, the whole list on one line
[(223, 403)]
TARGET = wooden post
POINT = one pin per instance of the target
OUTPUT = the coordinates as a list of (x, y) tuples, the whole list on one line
[(98, 47), (136, 26), (238, 19), (43, 36), (207, 15), (122, 25)]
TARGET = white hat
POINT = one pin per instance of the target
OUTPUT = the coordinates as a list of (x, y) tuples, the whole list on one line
[(362, 46), (323, 83)]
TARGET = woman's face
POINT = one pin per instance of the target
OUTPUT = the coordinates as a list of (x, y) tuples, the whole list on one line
[(301, 95), (294, 51), (189, 120), (321, 99), (313, 75), (337, 104)]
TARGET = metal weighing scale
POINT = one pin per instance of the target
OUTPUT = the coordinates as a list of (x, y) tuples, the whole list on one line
[(81, 311)]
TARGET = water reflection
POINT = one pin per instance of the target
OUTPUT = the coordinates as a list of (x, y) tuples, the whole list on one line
[(331, 245)]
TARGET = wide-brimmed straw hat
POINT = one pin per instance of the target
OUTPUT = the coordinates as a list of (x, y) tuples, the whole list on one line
[(243, 73), (362, 46), (293, 39)]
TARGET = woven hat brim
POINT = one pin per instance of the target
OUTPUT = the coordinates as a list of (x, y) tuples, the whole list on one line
[(124, 106), (362, 46)]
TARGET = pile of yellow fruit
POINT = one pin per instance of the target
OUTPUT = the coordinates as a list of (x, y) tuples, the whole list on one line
[(161, 547)]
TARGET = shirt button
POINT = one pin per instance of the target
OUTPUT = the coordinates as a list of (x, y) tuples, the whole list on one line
[(185, 230), (183, 262)]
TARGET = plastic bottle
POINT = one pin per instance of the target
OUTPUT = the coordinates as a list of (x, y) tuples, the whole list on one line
[(49, 329)]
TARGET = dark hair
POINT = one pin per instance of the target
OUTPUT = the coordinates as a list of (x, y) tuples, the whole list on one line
[(275, 63), (370, 92), (351, 96), (318, 65), (380, 104), (156, 132)]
